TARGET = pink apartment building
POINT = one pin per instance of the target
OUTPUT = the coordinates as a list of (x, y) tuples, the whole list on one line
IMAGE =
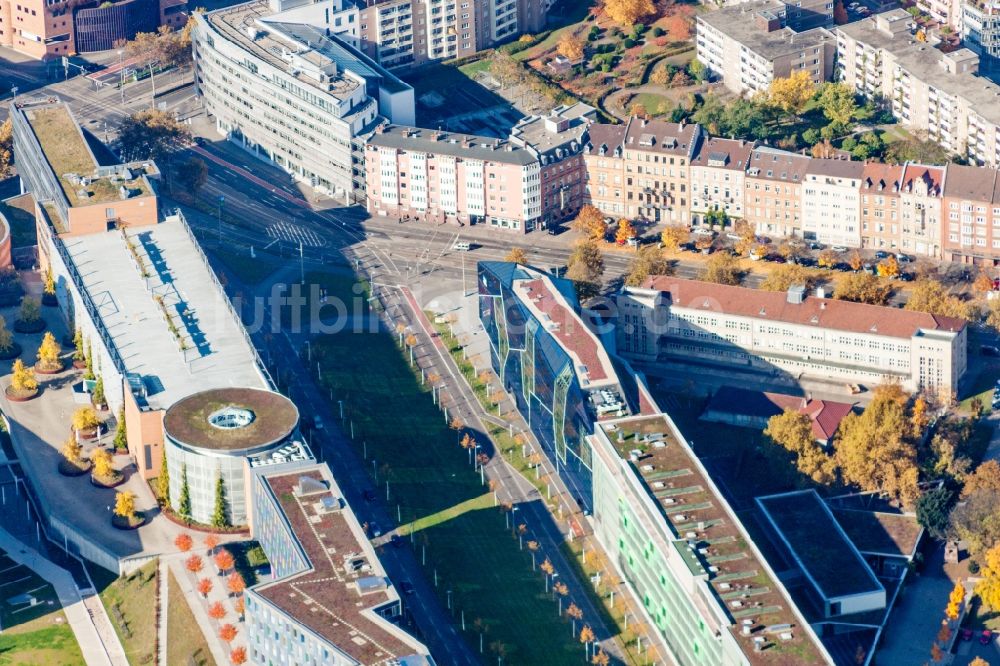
[(433, 176)]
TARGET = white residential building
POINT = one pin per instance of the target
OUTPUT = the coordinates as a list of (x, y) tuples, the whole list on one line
[(831, 203)]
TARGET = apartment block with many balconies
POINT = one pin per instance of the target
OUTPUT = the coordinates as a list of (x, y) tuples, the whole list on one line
[(426, 175), (750, 44), (929, 91)]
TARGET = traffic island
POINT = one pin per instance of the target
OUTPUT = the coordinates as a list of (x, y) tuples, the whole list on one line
[(112, 480), (133, 522), (20, 395)]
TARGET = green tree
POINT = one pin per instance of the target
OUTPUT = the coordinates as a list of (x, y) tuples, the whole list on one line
[(930, 296), (792, 430), (192, 174), (30, 310), (184, 501), (151, 134), (163, 480), (873, 449), (916, 149), (862, 288), (6, 337), (6, 148), (586, 268), (839, 105), (97, 395), (649, 260), (220, 516), (88, 372), (976, 521), (121, 436), (933, 510), (722, 269), (785, 276)]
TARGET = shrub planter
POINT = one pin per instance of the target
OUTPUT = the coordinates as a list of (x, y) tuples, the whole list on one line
[(19, 396), (12, 353), (90, 433), (115, 480), (66, 468), (36, 326), (124, 523), (48, 370), (50, 300), (79, 365)]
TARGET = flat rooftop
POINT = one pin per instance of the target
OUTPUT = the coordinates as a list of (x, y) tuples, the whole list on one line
[(338, 595), (231, 419), (880, 533), (773, 306), (923, 61), (206, 347), (738, 22), (542, 133), (67, 153), (819, 545), (550, 307), (719, 545), (455, 144)]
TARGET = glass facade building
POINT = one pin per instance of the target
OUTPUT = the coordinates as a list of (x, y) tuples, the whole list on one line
[(534, 360)]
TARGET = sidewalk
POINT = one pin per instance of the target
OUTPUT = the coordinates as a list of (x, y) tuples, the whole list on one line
[(90, 623), (187, 583)]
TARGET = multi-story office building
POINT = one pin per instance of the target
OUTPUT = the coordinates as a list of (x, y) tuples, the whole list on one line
[(604, 161), (749, 45), (772, 198), (831, 211), (790, 334), (295, 94), (717, 171), (430, 175), (971, 215), (928, 90), (558, 141), (329, 601), (48, 29), (703, 584), (653, 167)]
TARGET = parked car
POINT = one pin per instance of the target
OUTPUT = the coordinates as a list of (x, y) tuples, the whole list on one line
[(805, 261), (906, 277), (775, 258), (462, 246), (396, 541), (815, 246), (633, 242), (317, 423), (986, 637), (881, 254), (702, 231), (839, 248), (687, 247), (868, 268), (796, 243), (375, 530), (733, 237), (903, 259)]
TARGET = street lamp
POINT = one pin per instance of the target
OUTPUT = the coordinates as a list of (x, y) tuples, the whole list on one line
[(13, 91), (121, 74)]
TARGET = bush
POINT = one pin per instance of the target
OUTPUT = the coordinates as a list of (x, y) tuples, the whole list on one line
[(638, 29), (658, 31), (973, 567), (628, 43)]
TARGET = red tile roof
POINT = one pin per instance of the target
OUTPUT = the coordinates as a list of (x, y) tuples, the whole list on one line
[(826, 416), (570, 331), (881, 178), (819, 312), (933, 176)]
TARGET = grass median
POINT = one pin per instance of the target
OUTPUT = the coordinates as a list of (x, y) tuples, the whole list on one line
[(440, 496)]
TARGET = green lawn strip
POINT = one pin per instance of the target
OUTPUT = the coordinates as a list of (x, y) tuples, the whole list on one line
[(429, 476), (131, 604), (246, 268), (470, 69), (36, 634), (517, 455), (54, 645), (186, 645)]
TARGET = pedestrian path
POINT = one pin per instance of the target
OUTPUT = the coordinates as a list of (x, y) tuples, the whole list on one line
[(86, 615), (186, 582)]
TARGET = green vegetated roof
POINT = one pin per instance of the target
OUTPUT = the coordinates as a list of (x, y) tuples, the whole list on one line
[(274, 418)]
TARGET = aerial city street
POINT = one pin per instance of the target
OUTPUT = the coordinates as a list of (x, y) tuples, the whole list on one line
[(514, 332)]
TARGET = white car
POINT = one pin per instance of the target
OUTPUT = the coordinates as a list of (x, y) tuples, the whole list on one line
[(903, 259), (733, 237), (839, 248), (702, 231)]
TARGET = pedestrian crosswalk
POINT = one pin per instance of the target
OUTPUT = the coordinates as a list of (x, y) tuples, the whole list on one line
[(293, 233)]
